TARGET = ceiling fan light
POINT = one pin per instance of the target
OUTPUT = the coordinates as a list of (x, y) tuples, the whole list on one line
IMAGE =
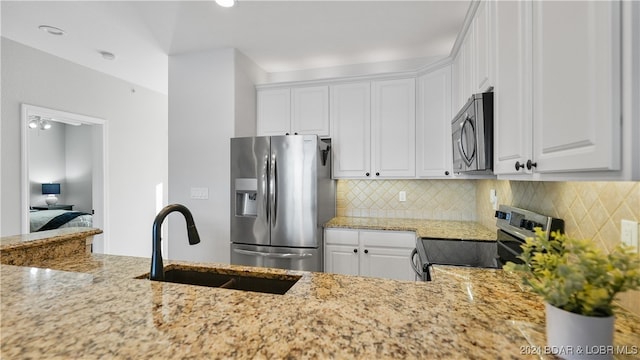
[(45, 125), (33, 123), (225, 3)]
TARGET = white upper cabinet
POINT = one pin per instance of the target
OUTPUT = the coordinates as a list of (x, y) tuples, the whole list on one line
[(393, 119), (288, 111), (274, 112), (310, 110), (433, 124), (483, 47), (351, 122), (557, 93), (576, 86), (374, 129), (512, 96)]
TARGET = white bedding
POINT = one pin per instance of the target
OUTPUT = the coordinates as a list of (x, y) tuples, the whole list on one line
[(40, 218)]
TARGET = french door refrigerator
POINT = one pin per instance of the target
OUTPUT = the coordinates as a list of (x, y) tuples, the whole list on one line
[(281, 195)]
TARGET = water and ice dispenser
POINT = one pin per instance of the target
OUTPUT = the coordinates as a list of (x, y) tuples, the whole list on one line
[(246, 197)]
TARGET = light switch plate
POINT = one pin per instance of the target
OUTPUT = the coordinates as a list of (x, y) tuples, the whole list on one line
[(402, 196), (200, 193), (629, 233)]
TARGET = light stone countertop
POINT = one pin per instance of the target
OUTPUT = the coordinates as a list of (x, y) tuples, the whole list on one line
[(435, 229), (45, 237), (91, 306)]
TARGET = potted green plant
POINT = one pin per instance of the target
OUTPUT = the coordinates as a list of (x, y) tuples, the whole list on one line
[(578, 282)]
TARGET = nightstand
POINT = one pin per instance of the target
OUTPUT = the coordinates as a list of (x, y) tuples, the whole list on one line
[(53, 207)]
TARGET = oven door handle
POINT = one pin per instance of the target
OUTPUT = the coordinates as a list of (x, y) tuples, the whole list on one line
[(505, 247), (413, 263)]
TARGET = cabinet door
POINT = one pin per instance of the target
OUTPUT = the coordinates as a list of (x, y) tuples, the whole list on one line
[(483, 46), (433, 124), (310, 110), (576, 85), (350, 110), (386, 254), (456, 80), (512, 94), (341, 259), (393, 119), (274, 112)]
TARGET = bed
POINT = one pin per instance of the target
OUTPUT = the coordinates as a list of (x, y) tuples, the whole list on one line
[(54, 219)]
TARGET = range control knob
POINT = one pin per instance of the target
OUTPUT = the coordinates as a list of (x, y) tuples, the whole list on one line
[(501, 214)]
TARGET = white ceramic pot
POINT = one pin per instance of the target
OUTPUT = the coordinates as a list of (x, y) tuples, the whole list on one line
[(573, 336)]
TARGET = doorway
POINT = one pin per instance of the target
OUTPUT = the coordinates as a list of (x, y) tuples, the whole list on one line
[(66, 152)]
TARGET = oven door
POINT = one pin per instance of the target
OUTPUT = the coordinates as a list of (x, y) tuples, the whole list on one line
[(419, 262), (508, 248)]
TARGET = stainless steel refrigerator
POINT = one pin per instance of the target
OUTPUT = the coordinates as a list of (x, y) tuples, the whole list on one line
[(281, 195)]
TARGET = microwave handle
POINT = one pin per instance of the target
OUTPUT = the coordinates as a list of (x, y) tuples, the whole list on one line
[(467, 159)]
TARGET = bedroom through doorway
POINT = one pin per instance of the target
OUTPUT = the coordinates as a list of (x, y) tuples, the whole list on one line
[(63, 171)]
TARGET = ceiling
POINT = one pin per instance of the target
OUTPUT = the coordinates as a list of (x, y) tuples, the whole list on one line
[(279, 36)]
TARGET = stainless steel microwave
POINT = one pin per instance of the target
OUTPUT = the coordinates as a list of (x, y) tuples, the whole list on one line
[(472, 136)]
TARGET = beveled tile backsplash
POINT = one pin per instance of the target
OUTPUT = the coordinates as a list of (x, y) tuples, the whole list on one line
[(426, 199), (591, 210)]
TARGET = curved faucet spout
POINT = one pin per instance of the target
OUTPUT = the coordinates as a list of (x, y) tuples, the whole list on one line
[(157, 268)]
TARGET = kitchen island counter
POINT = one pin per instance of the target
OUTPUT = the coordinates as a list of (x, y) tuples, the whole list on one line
[(92, 307), (433, 229)]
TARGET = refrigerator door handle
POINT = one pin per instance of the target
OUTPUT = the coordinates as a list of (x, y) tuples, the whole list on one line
[(274, 191), (272, 255)]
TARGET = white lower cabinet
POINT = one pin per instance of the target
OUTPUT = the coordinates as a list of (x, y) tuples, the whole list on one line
[(383, 254)]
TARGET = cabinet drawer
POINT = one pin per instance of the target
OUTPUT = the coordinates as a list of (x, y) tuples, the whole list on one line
[(391, 239), (341, 237)]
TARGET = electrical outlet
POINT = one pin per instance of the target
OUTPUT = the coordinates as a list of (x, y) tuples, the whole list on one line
[(402, 196), (629, 233), (200, 193), (493, 198)]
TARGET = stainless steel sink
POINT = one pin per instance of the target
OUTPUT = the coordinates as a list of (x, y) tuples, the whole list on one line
[(228, 279)]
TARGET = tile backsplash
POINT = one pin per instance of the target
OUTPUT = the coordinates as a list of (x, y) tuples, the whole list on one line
[(591, 210), (426, 199)]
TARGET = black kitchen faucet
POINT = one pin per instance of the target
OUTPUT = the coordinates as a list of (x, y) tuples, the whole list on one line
[(157, 268)]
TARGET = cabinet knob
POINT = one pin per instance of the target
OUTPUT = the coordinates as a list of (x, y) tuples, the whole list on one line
[(377, 174), (287, 134), (355, 250), (531, 164), (295, 133), (367, 174), (519, 166), (446, 173), (366, 251)]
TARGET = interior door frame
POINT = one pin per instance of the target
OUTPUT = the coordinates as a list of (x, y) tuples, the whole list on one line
[(68, 118)]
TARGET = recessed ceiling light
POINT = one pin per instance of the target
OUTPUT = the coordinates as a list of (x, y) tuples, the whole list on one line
[(107, 55), (225, 3), (51, 30)]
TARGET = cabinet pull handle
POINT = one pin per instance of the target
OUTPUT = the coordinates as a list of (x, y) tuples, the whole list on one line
[(355, 250), (366, 251), (531, 164), (367, 174), (519, 166)]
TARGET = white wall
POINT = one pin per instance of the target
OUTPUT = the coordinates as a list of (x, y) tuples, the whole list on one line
[(136, 126), (209, 92), (46, 162)]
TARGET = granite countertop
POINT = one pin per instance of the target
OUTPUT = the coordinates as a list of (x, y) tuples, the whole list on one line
[(435, 229), (92, 306), (45, 237)]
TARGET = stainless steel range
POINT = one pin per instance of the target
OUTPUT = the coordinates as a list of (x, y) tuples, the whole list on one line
[(515, 225)]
